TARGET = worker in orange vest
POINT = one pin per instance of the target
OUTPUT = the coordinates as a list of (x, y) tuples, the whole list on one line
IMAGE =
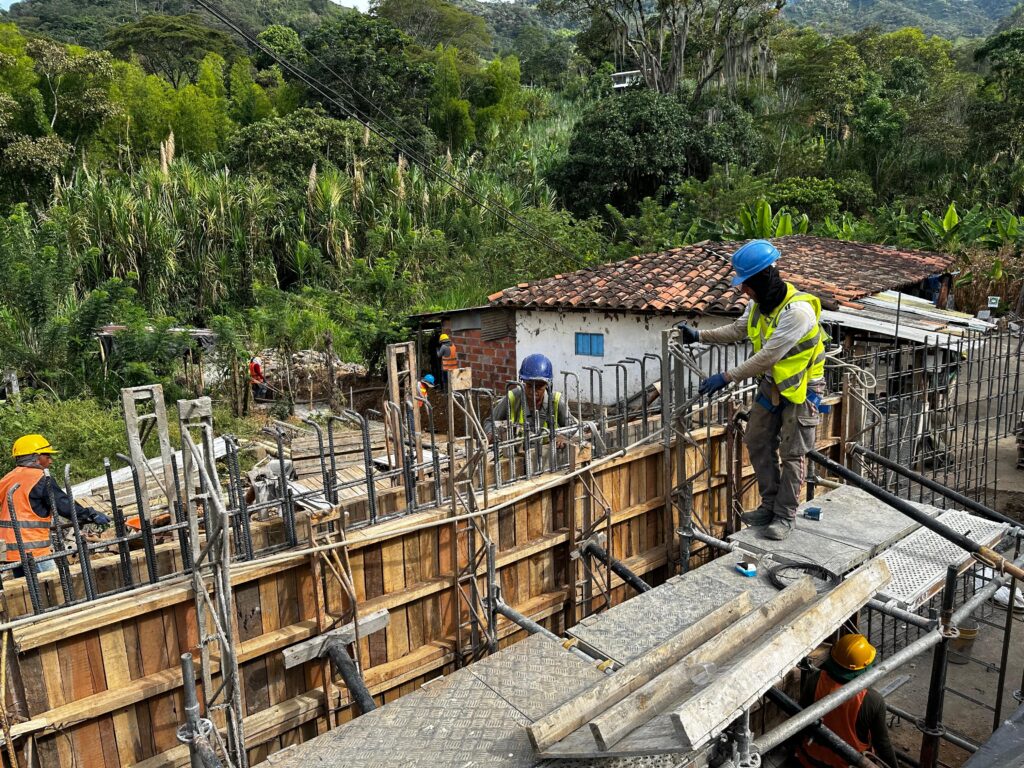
[(449, 355), (30, 487), (861, 721), (426, 384), (257, 379)]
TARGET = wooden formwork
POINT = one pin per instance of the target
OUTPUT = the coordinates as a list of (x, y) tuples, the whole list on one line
[(100, 684)]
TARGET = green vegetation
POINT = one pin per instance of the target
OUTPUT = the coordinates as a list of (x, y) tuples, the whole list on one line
[(158, 174)]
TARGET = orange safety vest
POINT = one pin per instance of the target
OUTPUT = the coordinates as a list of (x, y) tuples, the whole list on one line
[(35, 530), (451, 362), (255, 372), (842, 721)]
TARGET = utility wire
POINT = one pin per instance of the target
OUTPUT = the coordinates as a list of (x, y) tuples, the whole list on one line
[(505, 214)]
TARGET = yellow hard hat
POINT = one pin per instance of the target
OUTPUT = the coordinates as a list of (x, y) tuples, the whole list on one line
[(853, 652), (31, 444), (444, 337)]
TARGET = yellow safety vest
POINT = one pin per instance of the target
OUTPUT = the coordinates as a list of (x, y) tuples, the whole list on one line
[(516, 415), (805, 361)]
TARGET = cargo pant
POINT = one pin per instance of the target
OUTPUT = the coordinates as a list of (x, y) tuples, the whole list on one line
[(778, 444)]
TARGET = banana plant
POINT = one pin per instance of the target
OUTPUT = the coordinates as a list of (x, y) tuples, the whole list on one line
[(759, 222)]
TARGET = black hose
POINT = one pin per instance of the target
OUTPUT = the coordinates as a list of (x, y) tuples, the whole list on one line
[(349, 672), (618, 568)]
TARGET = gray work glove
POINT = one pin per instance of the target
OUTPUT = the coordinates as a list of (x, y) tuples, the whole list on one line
[(688, 334)]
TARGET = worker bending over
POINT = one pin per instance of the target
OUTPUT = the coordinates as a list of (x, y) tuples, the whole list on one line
[(33, 455), (861, 721), (783, 325), (531, 402)]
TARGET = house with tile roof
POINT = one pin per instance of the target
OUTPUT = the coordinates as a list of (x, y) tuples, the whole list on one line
[(617, 310)]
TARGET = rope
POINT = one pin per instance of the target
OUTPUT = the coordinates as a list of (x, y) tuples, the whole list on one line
[(777, 573)]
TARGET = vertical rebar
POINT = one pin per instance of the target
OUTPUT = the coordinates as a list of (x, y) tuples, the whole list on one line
[(931, 728), (81, 544), (181, 518), (28, 562), (59, 550), (1004, 655), (120, 529)]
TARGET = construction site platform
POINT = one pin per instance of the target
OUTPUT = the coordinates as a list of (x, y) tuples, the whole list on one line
[(477, 715)]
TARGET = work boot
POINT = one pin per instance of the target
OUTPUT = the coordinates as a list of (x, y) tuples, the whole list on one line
[(779, 529), (758, 517)]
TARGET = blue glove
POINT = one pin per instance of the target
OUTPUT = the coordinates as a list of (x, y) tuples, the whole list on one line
[(689, 335), (712, 384), (96, 518)]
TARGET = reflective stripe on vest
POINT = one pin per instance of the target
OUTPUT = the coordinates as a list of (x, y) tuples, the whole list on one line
[(451, 362), (842, 721), (35, 531), (516, 415), (805, 360)]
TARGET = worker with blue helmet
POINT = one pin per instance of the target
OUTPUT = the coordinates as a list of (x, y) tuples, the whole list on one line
[(783, 325), (532, 400)]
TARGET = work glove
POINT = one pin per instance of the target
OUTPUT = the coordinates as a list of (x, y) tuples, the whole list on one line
[(689, 335), (713, 384), (96, 518)]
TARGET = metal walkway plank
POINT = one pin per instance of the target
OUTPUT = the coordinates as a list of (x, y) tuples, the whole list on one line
[(643, 622)]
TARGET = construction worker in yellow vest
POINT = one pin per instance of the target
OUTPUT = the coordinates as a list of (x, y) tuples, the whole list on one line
[(783, 326), (861, 721), (30, 487), (532, 402)]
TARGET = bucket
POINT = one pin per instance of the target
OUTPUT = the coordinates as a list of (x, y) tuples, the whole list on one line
[(960, 647)]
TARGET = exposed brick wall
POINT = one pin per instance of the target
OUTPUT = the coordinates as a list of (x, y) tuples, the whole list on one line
[(493, 362)]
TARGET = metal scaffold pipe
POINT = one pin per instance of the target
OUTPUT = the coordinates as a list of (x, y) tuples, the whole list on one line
[(927, 482), (617, 566), (983, 553), (823, 706)]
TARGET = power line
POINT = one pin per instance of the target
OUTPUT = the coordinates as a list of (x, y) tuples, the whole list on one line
[(505, 214)]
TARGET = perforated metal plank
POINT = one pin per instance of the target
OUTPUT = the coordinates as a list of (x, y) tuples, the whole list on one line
[(457, 722), (535, 676), (632, 628), (918, 563)]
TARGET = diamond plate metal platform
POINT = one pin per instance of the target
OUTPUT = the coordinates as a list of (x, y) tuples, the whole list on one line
[(918, 563), (634, 627), (854, 528)]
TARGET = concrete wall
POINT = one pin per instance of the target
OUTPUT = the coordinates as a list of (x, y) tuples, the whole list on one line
[(553, 334)]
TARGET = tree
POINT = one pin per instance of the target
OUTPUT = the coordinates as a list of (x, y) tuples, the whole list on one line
[(434, 22), (675, 40), (201, 116), (74, 84), (449, 112), (368, 60), (543, 56), (171, 46), (249, 103)]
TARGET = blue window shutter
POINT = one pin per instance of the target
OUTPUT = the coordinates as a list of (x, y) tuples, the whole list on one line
[(597, 344)]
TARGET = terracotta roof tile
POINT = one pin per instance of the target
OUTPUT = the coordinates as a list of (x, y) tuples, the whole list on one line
[(697, 278)]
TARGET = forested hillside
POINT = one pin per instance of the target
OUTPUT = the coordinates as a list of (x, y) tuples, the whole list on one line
[(86, 22), (350, 170), (950, 18)]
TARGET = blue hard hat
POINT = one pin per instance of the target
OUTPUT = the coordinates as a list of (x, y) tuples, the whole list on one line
[(535, 368), (752, 258), (429, 380)]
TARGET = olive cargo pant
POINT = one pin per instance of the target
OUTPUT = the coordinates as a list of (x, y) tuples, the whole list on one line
[(778, 443)]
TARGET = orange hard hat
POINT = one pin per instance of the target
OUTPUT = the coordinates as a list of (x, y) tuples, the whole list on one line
[(853, 652)]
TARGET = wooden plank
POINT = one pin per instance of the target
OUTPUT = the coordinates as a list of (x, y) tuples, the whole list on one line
[(55, 695), (706, 714), (645, 702), (316, 647), (578, 711), (125, 723)]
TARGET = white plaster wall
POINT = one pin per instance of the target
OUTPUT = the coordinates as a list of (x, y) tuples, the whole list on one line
[(553, 334)]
